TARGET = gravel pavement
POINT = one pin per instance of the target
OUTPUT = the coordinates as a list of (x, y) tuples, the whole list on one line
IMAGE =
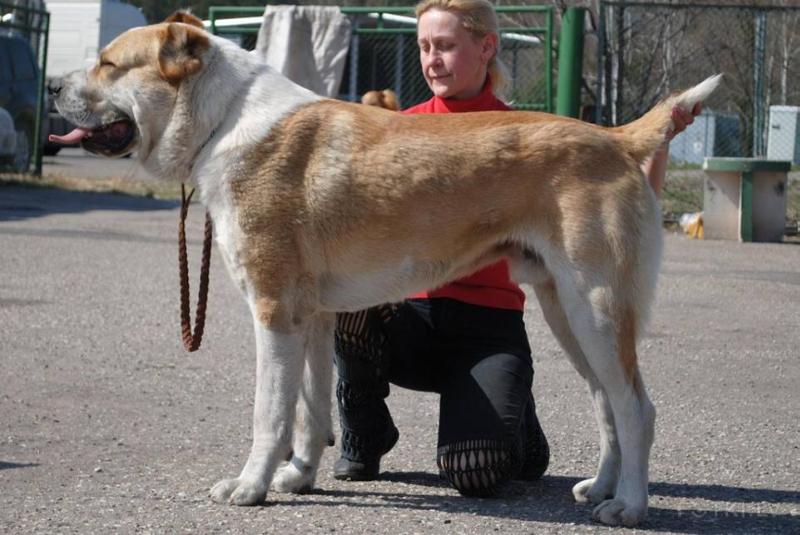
[(108, 426)]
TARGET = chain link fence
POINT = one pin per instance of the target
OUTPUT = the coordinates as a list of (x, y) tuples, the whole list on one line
[(647, 50), (383, 51), (23, 59)]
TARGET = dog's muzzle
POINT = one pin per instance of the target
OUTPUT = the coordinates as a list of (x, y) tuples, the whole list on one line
[(114, 139), (109, 133)]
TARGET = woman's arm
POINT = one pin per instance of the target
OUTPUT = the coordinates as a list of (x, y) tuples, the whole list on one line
[(655, 167)]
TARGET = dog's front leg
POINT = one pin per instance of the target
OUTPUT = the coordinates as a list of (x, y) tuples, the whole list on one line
[(278, 375), (314, 429)]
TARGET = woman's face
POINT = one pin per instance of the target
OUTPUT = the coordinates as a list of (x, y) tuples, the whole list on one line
[(454, 62)]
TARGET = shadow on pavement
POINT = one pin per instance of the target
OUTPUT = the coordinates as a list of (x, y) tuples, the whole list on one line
[(21, 202), (550, 500), (724, 494), (6, 465)]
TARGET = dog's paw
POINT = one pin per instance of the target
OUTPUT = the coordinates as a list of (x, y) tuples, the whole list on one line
[(616, 512), (294, 477), (239, 492), (590, 491)]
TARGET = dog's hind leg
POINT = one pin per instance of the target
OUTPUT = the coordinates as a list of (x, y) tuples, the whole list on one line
[(605, 330), (600, 487), (279, 372), (313, 430)]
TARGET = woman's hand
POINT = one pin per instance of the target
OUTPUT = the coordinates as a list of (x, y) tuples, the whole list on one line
[(681, 118), (655, 168)]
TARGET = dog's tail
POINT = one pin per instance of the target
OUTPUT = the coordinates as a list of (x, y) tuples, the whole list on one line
[(643, 136)]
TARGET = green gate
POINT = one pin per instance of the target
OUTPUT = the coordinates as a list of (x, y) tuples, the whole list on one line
[(383, 51), (24, 27)]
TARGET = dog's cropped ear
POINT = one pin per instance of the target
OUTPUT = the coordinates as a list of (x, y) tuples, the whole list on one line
[(181, 53), (186, 18), (389, 100), (382, 99)]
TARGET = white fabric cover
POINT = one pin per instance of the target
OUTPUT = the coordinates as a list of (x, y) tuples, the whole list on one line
[(307, 44)]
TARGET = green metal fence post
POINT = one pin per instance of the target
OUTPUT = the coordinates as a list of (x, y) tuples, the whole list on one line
[(570, 62), (41, 112), (548, 61)]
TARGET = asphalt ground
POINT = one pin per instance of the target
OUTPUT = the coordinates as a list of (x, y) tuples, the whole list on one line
[(108, 426), (76, 162)]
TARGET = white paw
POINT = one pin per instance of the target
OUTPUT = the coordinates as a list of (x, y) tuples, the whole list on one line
[(294, 477), (589, 491), (616, 512), (239, 492)]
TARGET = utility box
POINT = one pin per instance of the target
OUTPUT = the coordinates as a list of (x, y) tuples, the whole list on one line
[(783, 142), (744, 199), (711, 134)]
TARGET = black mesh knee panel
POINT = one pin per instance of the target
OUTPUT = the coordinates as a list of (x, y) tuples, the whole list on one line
[(479, 467), (360, 334)]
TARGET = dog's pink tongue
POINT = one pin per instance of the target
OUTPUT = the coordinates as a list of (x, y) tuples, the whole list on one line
[(73, 137)]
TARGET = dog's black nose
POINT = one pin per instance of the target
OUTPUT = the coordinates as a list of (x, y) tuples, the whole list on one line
[(54, 86)]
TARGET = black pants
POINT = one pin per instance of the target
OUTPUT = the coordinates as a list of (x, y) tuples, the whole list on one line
[(478, 359)]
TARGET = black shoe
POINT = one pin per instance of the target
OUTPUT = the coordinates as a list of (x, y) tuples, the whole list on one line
[(347, 470), (367, 470)]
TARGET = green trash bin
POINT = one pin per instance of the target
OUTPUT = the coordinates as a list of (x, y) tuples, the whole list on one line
[(744, 199)]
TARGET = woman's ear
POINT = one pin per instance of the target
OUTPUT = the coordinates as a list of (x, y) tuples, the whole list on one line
[(489, 44)]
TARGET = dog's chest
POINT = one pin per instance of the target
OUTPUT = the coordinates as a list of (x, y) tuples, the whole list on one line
[(217, 198)]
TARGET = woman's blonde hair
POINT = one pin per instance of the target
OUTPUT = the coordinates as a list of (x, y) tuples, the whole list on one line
[(479, 18)]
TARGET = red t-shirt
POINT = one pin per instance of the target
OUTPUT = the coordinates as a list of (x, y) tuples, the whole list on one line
[(490, 286)]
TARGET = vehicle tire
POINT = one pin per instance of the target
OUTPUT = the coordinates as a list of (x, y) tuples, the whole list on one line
[(50, 150), (22, 158)]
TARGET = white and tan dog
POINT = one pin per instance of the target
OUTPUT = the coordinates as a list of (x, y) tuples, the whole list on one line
[(322, 206)]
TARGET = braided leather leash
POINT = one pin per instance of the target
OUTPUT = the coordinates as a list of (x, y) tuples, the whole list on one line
[(192, 341)]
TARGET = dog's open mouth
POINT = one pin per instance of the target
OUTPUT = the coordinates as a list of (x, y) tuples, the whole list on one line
[(114, 139)]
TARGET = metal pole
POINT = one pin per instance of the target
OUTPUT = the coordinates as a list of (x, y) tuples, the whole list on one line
[(37, 135), (601, 59), (759, 98), (548, 62), (620, 64), (399, 54), (514, 69), (570, 62), (353, 96)]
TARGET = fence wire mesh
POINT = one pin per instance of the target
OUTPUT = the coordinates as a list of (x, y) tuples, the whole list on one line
[(649, 50)]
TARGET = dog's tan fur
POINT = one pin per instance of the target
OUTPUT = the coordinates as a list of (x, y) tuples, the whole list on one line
[(530, 163), (322, 206)]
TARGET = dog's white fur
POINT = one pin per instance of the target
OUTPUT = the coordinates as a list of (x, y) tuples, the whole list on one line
[(212, 109)]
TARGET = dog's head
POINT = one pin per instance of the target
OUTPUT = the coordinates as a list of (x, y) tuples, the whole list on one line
[(382, 99), (127, 97)]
